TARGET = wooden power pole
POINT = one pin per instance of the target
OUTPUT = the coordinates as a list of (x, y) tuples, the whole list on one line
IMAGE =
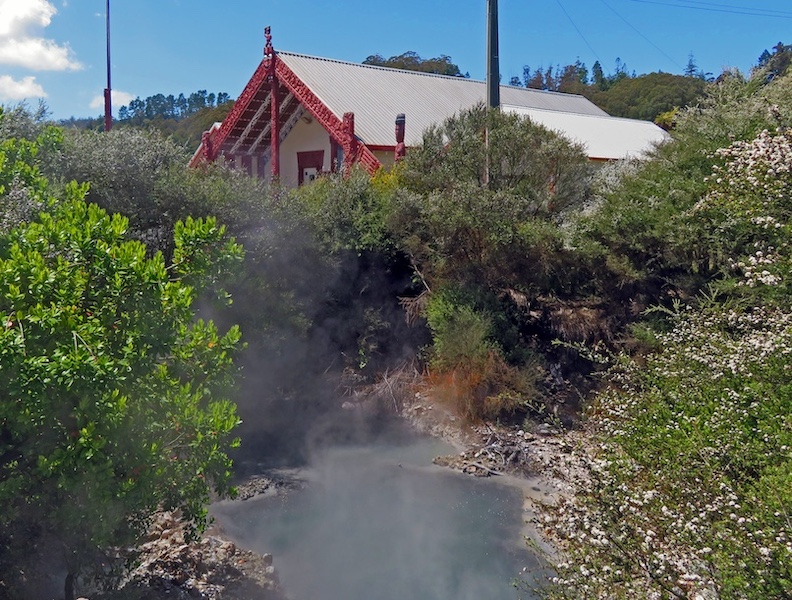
[(493, 58), (493, 74)]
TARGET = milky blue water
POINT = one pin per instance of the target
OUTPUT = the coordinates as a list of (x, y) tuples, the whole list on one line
[(381, 522)]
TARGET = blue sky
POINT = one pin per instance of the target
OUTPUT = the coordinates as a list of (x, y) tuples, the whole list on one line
[(55, 49)]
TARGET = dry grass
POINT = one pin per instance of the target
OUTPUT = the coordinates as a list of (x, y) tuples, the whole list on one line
[(484, 390), (415, 308), (392, 391), (580, 322)]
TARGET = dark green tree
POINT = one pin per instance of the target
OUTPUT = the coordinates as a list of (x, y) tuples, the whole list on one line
[(598, 77), (411, 61), (691, 69), (573, 79), (182, 106), (778, 62), (534, 80), (197, 100)]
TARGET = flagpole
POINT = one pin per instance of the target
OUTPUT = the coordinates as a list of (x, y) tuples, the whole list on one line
[(108, 116)]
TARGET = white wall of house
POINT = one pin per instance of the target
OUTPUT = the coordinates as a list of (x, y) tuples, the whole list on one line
[(305, 137), (308, 136)]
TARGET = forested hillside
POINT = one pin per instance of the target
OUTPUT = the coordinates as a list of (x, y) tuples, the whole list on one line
[(185, 118)]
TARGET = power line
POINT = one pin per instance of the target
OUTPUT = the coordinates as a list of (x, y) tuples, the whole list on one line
[(580, 33), (655, 46), (724, 8), (768, 11)]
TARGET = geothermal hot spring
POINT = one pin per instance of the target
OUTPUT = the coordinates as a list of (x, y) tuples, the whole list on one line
[(378, 520)]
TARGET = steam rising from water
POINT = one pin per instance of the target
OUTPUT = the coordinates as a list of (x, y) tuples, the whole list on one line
[(379, 521)]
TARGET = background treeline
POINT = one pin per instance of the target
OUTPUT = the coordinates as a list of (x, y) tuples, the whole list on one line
[(184, 117), (411, 61), (621, 94), (170, 107)]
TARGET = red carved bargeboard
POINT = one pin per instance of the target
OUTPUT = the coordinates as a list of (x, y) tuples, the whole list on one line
[(354, 151)]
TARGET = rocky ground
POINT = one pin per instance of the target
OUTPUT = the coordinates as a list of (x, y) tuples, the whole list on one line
[(540, 459), (539, 452), (210, 568)]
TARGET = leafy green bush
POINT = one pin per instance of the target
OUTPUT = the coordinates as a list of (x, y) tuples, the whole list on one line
[(744, 220), (460, 334), (123, 168), (21, 184), (467, 369), (112, 393), (642, 239), (543, 171), (348, 213)]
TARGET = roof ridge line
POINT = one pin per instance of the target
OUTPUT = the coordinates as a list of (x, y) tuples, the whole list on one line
[(566, 112), (379, 67), (424, 74)]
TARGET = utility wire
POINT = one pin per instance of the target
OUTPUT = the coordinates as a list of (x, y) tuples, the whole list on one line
[(639, 32), (580, 33), (768, 11), (736, 10)]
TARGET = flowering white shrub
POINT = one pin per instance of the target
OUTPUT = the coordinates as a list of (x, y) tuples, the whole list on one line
[(747, 210), (689, 494)]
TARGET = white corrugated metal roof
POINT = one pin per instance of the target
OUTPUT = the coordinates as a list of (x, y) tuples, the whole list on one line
[(377, 94), (603, 136)]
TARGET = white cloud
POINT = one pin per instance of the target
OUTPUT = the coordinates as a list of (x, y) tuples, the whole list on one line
[(37, 54), (11, 89), (118, 98), (17, 17), (20, 42)]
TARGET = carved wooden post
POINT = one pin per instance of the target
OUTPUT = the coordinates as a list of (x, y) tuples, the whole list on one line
[(401, 149), (274, 107), (206, 146), (350, 144)]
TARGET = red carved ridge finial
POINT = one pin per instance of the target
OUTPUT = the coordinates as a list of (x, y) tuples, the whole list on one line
[(268, 49), (350, 143)]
